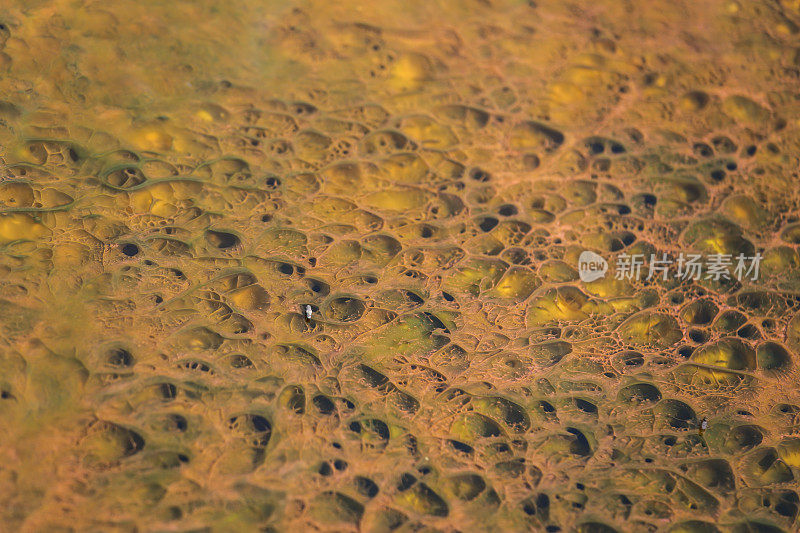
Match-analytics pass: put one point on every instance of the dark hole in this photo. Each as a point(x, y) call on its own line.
point(241, 361)
point(340, 465)
point(649, 200)
point(670, 441)
point(266, 218)
point(730, 165)
point(648, 460)
point(488, 223)
point(286, 268)
point(552, 529)
point(479, 175)
point(336, 445)
point(542, 501)
point(507, 210)
point(580, 486)
point(586, 407)
point(547, 407)
point(366, 486)
point(406, 482)
point(73, 154)
point(183, 458)
point(168, 391)
point(685, 351)
point(461, 447)
point(178, 422)
point(355, 427)
point(748, 331)
point(718, 175)
point(617, 149)
point(120, 358)
point(5, 395)
point(325, 469)
point(222, 239)
point(159, 299)
point(273, 182)
point(623, 209)
point(424, 470)
point(426, 232)
point(447, 296)
point(697, 335)
point(596, 148)
point(703, 150)
point(260, 423)
point(786, 509)
point(130, 249)
point(750, 150)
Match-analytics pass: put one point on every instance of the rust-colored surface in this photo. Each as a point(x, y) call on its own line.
point(178, 180)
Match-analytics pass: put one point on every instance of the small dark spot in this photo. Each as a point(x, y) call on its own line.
point(649, 200)
point(685, 351)
point(670, 441)
point(461, 447)
point(130, 249)
point(325, 469)
point(718, 175)
point(750, 151)
point(177, 422)
point(648, 460)
point(508, 210)
point(547, 407)
point(596, 148)
point(702, 150)
point(617, 149)
point(623, 209)
point(159, 299)
point(731, 165)
point(168, 391)
point(366, 486)
point(488, 223)
point(447, 296)
point(286, 268)
point(406, 482)
point(272, 182)
point(266, 218)
point(479, 175)
point(120, 357)
point(340, 465)
point(426, 232)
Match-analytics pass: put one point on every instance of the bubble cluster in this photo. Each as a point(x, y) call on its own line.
point(325, 276)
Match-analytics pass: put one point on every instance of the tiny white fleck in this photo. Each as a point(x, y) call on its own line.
point(307, 309)
point(704, 423)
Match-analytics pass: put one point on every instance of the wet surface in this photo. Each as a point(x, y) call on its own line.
point(314, 267)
